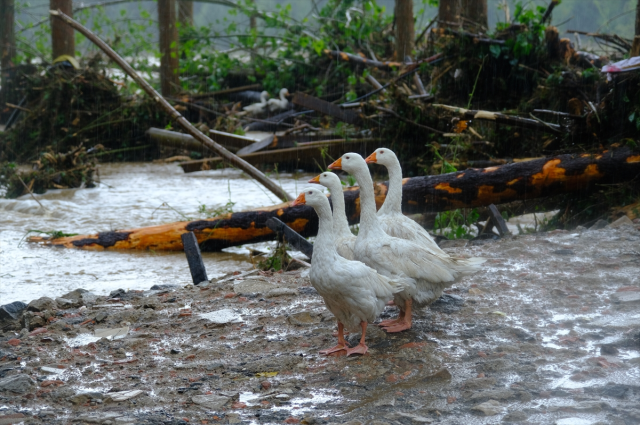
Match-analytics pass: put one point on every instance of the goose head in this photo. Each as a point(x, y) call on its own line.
point(312, 197)
point(382, 156)
point(283, 93)
point(263, 96)
point(349, 162)
point(328, 180)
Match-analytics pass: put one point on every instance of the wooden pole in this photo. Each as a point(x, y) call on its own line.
point(474, 15)
point(62, 36)
point(169, 82)
point(405, 33)
point(475, 187)
point(635, 48)
point(175, 115)
point(7, 34)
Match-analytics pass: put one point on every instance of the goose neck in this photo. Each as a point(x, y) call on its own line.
point(340, 222)
point(368, 220)
point(325, 241)
point(393, 201)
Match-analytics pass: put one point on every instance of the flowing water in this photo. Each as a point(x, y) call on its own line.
point(129, 195)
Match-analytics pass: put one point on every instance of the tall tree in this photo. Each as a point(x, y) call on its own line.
point(169, 82)
point(185, 13)
point(7, 34)
point(474, 15)
point(62, 35)
point(405, 33)
point(449, 13)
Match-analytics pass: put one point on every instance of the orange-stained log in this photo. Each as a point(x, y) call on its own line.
point(474, 187)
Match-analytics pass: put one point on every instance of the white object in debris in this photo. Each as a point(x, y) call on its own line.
point(626, 65)
point(123, 395)
point(111, 333)
point(226, 315)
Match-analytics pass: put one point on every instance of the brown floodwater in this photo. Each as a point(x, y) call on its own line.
point(129, 195)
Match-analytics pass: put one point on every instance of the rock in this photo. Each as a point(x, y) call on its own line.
point(448, 303)
point(590, 406)
point(122, 395)
point(489, 408)
point(354, 422)
point(42, 304)
point(515, 416)
point(600, 224)
point(82, 398)
point(19, 384)
point(609, 349)
point(101, 316)
point(494, 365)
point(253, 287)
point(163, 287)
point(415, 418)
point(617, 390)
point(479, 383)
point(12, 311)
point(13, 418)
point(492, 395)
point(626, 297)
point(214, 366)
point(622, 221)
point(115, 333)
point(303, 318)
point(280, 292)
point(385, 402)
point(65, 303)
point(210, 401)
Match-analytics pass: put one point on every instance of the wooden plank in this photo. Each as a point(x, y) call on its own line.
point(294, 239)
point(194, 258)
point(272, 123)
point(498, 221)
point(324, 107)
point(265, 143)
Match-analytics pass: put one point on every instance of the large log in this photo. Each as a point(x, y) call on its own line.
point(464, 189)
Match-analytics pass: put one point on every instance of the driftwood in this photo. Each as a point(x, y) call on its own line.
point(359, 60)
point(500, 118)
point(465, 189)
point(305, 155)
point(477, 38)
point(233, 142)
point(175, 115)
point(327, 108)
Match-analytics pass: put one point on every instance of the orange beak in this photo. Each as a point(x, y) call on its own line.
point(316, 179)
point(300, 200)
point(337, 165)
point(371, 159)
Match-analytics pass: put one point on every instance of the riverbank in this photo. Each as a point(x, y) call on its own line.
point(546, 333)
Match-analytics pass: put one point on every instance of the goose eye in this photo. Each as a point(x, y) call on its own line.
point(381, 152)
point(347, 158)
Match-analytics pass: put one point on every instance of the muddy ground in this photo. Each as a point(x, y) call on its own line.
point(548, 332)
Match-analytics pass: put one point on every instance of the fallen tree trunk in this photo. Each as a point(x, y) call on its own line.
point(464, 189)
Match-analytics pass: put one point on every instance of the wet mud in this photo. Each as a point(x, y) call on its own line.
point(547, 333)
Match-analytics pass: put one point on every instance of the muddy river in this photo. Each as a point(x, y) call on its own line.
point(129, 196)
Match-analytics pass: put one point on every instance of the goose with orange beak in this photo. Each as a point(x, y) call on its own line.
point(393, 257)
point(344, 239)
point(392, 221)
point(353, 292)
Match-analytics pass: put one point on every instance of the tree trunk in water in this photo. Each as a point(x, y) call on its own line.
point(7, 34)
point(62, 35)
point(474, 15)
point(635, 48)
point(404, 29)
point(449, 14)
point(169, 82)
point(477, 187)
point(185, 13)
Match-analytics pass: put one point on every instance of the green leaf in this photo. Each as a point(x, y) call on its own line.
point(495, 50)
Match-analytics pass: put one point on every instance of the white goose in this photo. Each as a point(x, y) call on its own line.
point(353, 292)
point(278, 104)
point(257, 108)
point(393, 257)
point(344, 239)
point(393, 222)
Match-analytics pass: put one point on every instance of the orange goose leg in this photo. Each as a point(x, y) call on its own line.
point(393, 322)
point(360, 348)
point(404, 323)
point(342, 344)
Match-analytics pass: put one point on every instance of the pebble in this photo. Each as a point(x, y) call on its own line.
point(19, 384)
point(489, 408)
